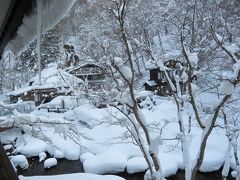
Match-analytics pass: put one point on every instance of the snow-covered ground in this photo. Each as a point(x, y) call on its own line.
point(77, 176)
point(106, 149)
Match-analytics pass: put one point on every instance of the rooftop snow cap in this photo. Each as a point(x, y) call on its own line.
point(52, 12)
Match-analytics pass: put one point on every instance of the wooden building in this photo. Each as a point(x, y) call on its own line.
point(92, 74)
point(38, 94)
point(158, 81)
point(55, 82)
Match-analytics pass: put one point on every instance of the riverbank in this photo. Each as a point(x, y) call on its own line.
point(65, 166)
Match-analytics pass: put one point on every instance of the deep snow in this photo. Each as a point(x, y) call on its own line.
point(106, 150)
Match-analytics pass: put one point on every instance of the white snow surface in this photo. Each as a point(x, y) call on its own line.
point(33, 147)
point(81, 116)
point(76, 176)
point(227, 87)
point(104, 151)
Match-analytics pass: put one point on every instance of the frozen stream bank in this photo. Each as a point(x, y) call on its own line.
point(66, 167)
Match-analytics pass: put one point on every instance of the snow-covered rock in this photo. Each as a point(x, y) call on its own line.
point(7, 147)
point(136, 164)
point(85, 156)
point(20, 160)
point(50, 162)
point(105, 163)
point(58, 154)
point(42, 156)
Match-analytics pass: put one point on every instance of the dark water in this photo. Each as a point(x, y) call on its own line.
point(215, 175)
point(65, 166)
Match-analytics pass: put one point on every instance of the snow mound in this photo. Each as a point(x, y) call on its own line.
point(20, 160)
point(50, 162)
point(58, 154)
point(212, 160)
point(85, 156)
point(111, 160)
point(61, 149)
point(80, 116)
point(105, 163)
point(42, 156)
point(136, 164)
point(57, 102)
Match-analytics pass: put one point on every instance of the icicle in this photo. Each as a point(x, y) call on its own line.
point(39, 35)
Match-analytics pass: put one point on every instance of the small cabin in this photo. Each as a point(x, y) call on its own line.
point(37, 94)
point(91, 73)
point(25, 94)
point(158, 81)
point(54, 82)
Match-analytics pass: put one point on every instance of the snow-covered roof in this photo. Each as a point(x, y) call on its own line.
point(88, 62)
point(20, 91)
point(173, 55)
point(52, 77)
point(151, 83)
point(83, 64)
point(143, 94)
point(150, 65)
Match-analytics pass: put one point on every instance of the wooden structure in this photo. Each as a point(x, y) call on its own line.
point(92, 74)
point(7, 171)
point(25, 96)
point(37, 94)
point(158, 81)
point(55, 82)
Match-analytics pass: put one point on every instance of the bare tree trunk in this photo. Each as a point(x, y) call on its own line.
point(135, 109)
point(206, 132)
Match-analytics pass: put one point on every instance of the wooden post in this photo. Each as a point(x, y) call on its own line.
point(7, 171)
point(62, 104)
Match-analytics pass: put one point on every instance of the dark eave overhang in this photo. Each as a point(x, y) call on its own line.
point(13, 18)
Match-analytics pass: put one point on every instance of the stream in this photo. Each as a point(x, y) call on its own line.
point(66, 166)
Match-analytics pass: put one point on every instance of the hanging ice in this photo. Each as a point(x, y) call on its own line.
point(53, 12)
